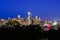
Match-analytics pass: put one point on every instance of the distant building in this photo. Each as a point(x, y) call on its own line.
point(29, 19)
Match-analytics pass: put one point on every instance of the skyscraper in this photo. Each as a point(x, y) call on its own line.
point(29, 18)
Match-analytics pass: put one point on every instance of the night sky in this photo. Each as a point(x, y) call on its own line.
point(45, 9)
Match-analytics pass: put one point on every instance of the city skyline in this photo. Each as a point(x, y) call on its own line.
point(45, 9)
point(28, 15)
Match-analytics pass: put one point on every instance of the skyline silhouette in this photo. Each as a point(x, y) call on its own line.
point(45, 9)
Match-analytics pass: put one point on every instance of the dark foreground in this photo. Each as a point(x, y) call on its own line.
point(32, 32)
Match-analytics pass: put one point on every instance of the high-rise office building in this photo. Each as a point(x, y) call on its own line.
point(29, 18)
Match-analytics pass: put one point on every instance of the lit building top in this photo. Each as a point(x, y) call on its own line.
point(29, 13)
point(18, 16)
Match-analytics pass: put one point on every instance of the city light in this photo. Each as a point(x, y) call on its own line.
point(36, 17)
point(18, 16)
point(55, 23)
point(2, 19)
point(29, 13)
point(39, 18)
point(9, 18)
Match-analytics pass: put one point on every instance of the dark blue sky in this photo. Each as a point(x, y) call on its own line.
point(46, 9)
